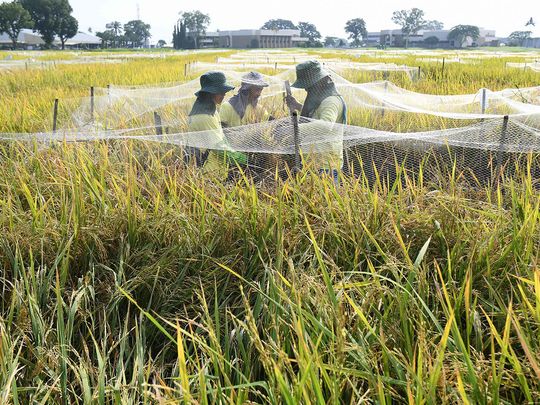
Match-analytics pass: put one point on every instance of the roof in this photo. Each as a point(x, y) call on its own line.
point(29, 37)
point(83, 38)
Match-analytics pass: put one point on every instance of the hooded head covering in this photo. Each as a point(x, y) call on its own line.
point(241, 100)
point(214, 83)
point(308, 74)
point(211, 83)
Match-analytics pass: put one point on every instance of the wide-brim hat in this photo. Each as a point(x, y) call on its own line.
point(254, 79)
point(309, 73)
point(214, 83)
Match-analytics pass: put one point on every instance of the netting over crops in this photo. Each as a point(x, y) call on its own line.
point(389, 129)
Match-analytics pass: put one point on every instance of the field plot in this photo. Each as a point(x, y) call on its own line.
point(131, 276)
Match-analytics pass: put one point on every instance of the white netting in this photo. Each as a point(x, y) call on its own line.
point(484, 130)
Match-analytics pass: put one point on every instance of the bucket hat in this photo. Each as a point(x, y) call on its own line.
point(254, 79)
point(308, 73)
point(214, 83)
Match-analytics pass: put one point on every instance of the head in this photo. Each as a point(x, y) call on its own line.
point(218, 98)
point(310, 74)
point(215, 84)
point(254, 83)
point(254, 93)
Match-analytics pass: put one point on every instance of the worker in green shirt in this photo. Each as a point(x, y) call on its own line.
point(204, 119)
point(243, 108)
point(322, 137)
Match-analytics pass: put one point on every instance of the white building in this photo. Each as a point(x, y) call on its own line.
point(29, 39)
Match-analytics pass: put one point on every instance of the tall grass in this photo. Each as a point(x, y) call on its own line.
point(130, 278)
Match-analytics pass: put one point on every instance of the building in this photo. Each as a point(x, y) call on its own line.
point(29, 39)
point(373, 39)
point(420, 39)
point(82, 40)
point(532, 43)
point(252, 39)
point(396, 38)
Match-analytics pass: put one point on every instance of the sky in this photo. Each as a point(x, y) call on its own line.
point(329, 17)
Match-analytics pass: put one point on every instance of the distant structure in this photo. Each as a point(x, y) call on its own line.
point(29, 39)
point(252, 39)
point(396, 38)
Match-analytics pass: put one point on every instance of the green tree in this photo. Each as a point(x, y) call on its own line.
point(13, 18)
point(433, 25)
point(460, 33)
point(161, 43)
point(196, 23)
point(331, 41)
point(279, 24)
point(309, 31)
point(116, 28)
point(356, 28)
point(48, 16)
point(411, 21)
point(67, 29)
point(108, 38)
point(431, 42)
point(519, 37)
point(137, 32)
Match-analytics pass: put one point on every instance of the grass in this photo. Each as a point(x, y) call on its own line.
point(130, 278)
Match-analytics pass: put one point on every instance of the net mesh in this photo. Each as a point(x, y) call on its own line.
point(390, 130)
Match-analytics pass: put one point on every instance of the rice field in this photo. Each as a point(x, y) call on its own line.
point(128, 277)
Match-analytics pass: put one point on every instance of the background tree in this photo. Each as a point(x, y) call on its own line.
point(519, 37)
point(331, 41)
point(116, 28)
point(411, 21)
point(48, 16)
point(108, 38)
point(67, 28)
point(356, 28)
point(196, 23)
point(433, 25)
point(137, 32)
point(161, 43)
point(13, 18)
point(279, 24)
point(431, 42)
point(460, 33)
point(309, 31)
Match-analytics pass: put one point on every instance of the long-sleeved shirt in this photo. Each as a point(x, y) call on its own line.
point(220, 152)
point(322, 140)
point(230, 117)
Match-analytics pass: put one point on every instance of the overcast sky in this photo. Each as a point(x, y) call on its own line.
point(329, 17)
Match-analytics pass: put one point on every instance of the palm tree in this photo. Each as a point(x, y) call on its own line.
point(116, 26)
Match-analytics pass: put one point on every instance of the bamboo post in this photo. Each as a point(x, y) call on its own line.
point(502, 143)
point(296, 130)
point(55, 115)
point(419, 72)
point(185, 70)
point(442, 72)
point(157, 123)
point(484, 101)
point(92, 103)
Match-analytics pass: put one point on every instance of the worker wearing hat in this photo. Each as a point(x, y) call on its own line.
point(204, 119)
point(327, 110)
point(243, 108)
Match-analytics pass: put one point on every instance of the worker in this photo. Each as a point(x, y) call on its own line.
point(215, 154)
point(327, 111)
point(243, 108)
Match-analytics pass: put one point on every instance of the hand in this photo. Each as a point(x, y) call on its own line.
point(292, 103)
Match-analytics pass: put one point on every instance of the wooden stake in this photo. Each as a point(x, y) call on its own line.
point(55, 114)
point(92, 103)
point(157, 123)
